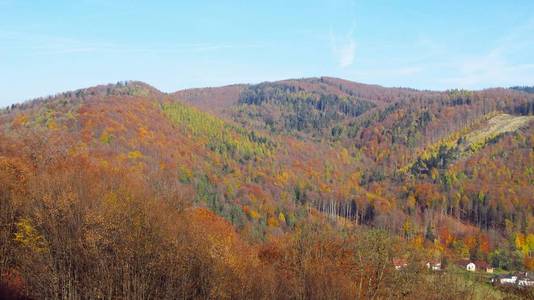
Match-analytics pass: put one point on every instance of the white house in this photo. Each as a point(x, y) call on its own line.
point(508, 280)
point(525, 282)
point(520, 279)
point(434, 265)
point(471, 267)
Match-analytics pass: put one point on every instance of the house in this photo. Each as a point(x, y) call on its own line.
point(509, 279)
point(483, 266)
point(518, 279)
point(525, 279)
point(525, 282)
point(399, 263)
point(434, 265)
point(471, 267)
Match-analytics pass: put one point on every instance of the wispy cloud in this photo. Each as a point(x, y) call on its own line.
point(440, 64)
point(490, 70)
point(40, 44)
point(497, 65)
point(343, 48)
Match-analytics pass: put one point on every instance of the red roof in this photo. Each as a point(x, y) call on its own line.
point(481, 264)
point(399, 262)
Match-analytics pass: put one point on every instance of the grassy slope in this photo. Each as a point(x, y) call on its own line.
point(476, 135)
point(499, 124)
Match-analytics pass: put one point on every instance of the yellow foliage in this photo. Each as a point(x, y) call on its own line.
point(438, 246)
point(111, 199)
point(272, 222)
point(407, 227)
point(29, 237)
point(345, 157)
point(282, 178)
point(135, 154)
point(418, 241)
point(104, 163)
point(435, 174)
point(529, 263)
point(105, 137)
point(325, 188)
point(20, 119)
point(410, 202)
point(355, 178)
point(284, 197)
point(530, 242)
point(143, 133)
point(254, 214)
point(218, 135)
point(232, 185)
point(51, 124)
point(525, 244)
point(281, 217)
point(185, 174)
point(519, 241)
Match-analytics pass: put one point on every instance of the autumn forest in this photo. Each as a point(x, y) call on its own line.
point(316, 188)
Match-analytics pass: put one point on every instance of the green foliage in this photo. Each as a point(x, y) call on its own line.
point(286, 108)
point(439, 160)
point(106, 138)
point(505, 259)
point(207, 193)
point(218, 135)
point(185, 175)
point(477, 207)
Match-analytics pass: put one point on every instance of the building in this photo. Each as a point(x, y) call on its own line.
point(399, 263)
point(508, 280)
point(525, 282)
point(519, 279)
point(483, 266)
point(471, 267)
point(434, 265)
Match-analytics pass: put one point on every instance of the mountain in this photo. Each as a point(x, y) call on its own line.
point(250, 191)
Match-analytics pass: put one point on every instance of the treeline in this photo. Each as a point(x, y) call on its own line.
point(527, 89)
point(70, 230)
point(286, 108)
point(130, 181)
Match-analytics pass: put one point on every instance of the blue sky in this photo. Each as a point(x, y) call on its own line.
point(49, 46)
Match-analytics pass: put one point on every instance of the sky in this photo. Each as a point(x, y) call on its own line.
point(49, 46)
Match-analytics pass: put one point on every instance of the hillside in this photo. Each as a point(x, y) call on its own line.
point(214, 100)
point(279, 180)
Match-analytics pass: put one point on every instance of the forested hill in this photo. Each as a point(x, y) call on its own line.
point(423, 160)
point(202, 192)
point(527, 89)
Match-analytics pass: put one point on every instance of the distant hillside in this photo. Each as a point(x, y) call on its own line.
point(381, 129)
point(262, 180)
point(211, 99)
point(527, 89)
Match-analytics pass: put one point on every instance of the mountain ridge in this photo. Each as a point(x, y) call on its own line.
point(246, 179)
point(333, 80)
